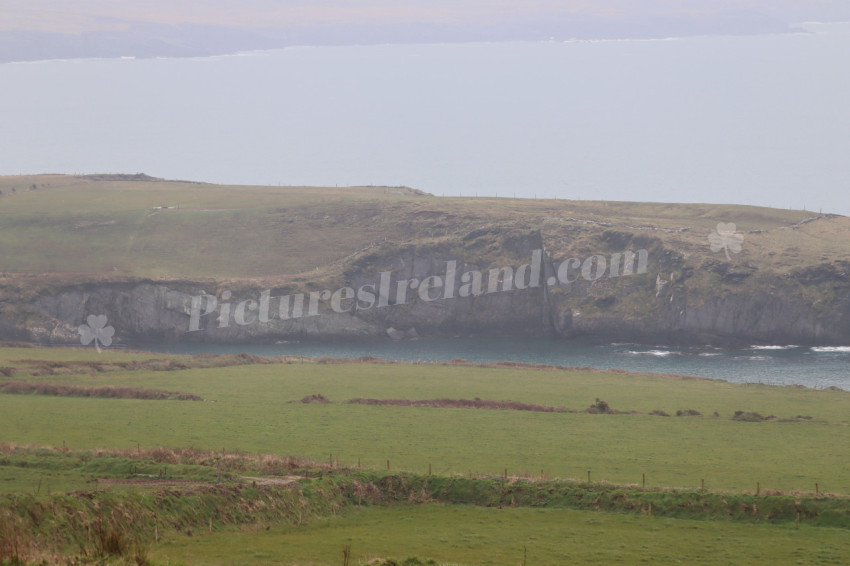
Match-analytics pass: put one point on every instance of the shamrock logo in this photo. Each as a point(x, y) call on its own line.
point(726, 238)
point(96, 330)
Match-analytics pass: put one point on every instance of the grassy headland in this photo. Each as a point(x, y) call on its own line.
point(114, 226)
point(64, 239)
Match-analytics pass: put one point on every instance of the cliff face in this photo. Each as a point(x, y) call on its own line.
point(616, 286)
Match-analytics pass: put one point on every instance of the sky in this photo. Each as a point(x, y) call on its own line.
point(758, 119)
point(86, 15)
point(56, 29)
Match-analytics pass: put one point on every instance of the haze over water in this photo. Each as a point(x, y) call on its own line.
point(751, 120)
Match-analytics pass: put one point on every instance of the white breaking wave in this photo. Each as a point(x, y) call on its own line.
point(660, 353)
point(773, 347)
point(842, 349)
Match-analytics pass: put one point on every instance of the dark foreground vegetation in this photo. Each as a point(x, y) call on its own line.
point(127, 508)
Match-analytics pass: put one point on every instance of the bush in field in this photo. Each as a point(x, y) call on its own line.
point(688, 413)
point(600, 407)
point(751, 416)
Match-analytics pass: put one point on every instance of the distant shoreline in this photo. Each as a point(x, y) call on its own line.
point(155, 41)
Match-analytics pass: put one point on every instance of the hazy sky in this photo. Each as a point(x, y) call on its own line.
point(59, 29)
point(472, 100)
point(87, 15)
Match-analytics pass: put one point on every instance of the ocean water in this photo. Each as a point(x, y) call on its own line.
point(749, 120)
point(818, 367)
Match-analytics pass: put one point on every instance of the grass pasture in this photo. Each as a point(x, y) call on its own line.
point(249, 408)
point(476, 535)
point(251, 419)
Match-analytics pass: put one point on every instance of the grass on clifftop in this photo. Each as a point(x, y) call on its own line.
point(104, 227)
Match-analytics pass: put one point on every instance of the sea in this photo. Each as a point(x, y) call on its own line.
point(786, 365)
point(759, 119)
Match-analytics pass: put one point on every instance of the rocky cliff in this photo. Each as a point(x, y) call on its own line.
point(613, 286)
point(179, 261)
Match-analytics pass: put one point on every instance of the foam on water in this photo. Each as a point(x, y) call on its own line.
point(661, 353)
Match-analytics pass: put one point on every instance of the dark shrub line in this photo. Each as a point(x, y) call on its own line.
point(106, 391)
point(110, 524)
point(753, 417)
point(688, 413)
point(201, 361)
point(315, 399)
point(599, 407)
point(463, 404)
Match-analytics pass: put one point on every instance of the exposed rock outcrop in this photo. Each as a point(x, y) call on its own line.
point(524, 288)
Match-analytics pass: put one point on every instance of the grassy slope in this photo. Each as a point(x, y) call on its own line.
point(251, 413)
point(74, 225)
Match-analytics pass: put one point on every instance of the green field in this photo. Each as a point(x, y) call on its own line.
point(475, 535)
point(253, 408)
point(247, 407)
